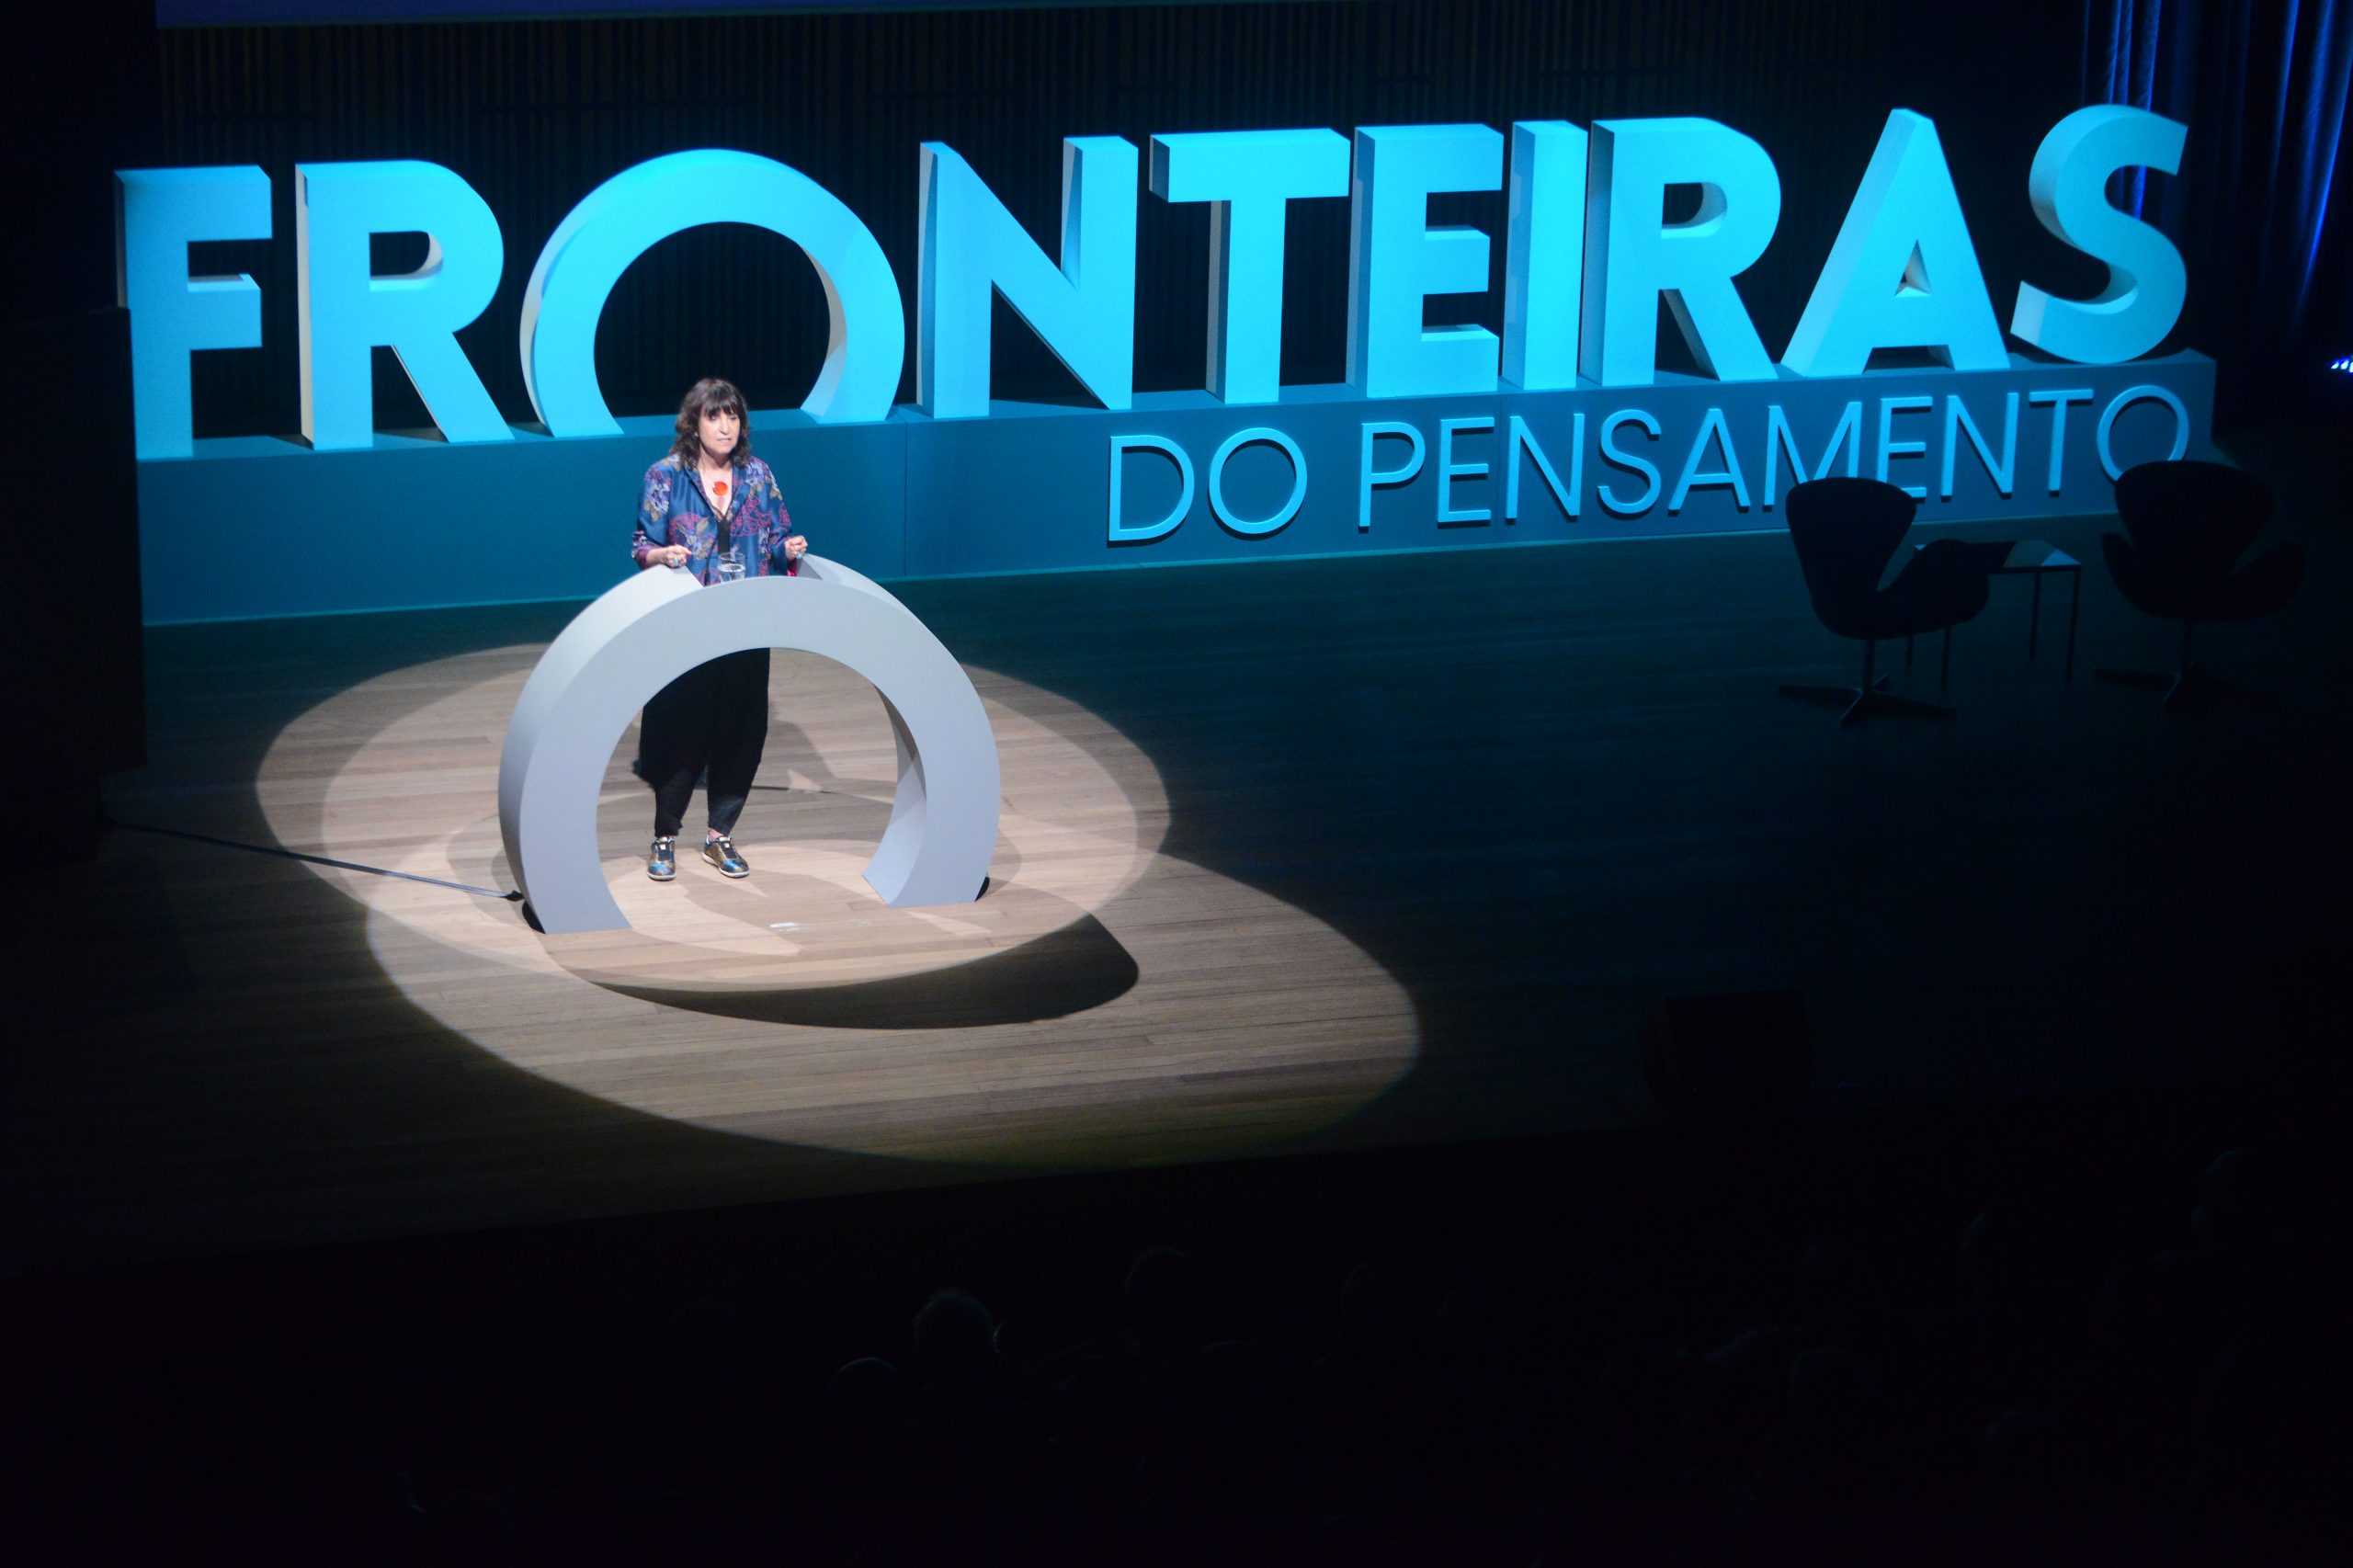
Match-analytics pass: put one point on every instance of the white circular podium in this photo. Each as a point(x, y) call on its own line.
point(659, 624)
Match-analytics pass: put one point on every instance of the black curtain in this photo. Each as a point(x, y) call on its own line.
point(2258, 210)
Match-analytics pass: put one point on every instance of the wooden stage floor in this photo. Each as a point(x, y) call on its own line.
point(1321, 855)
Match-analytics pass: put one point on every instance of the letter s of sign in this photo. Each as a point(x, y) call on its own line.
point(2146, 280)
point(644, 633)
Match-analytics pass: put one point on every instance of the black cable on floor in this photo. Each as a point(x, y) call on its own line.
point(315, 859)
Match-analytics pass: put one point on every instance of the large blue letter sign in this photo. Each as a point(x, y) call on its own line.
point(346, 312)
point(2146, 282)
point(1436, 427)
point(1902, 273)
point(1397, 259)
point(1633, 256)
point(157, 213)
point(1085, 310)
point(639, 208)
point(1248, 177)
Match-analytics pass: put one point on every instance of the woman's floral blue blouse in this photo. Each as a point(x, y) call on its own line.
point(672, 509)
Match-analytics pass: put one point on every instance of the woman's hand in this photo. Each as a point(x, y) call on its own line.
point(665, 556)
point(795, 547)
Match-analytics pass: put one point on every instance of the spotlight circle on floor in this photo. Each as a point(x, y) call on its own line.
point(1107, 1001)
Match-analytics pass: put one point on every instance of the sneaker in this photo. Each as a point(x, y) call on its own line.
point(721, 852)
point(662, 864)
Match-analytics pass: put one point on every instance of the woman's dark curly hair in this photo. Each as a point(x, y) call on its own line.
point(711, 395)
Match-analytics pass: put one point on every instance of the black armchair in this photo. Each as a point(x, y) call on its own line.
point(2188, 523)
point(1846, 531)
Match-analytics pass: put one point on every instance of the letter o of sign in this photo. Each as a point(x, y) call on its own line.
point(659, 624)
point(1287, 510)
point(2125, 399)
point(640, 207)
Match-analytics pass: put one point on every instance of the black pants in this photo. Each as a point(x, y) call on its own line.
point(714, 716)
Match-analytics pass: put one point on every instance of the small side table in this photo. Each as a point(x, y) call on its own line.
point(2036, 559)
